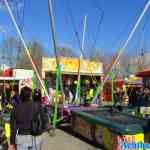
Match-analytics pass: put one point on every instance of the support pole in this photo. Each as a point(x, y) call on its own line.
point(58, 69)
point(78, 88)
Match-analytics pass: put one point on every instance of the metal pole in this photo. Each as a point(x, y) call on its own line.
point(83, 35)
point(58, 69)
point(52, 23)
point(3, 56)
point(77, 97)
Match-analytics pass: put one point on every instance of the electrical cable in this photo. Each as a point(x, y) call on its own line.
point(98, 31)
point(76, 33)
point(95, 40)
point(101, 12)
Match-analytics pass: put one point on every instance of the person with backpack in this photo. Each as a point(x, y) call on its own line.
point(26, 123)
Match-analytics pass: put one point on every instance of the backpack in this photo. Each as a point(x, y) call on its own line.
point(37, 123)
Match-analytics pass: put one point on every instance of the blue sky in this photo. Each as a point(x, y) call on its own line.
point(119, 18)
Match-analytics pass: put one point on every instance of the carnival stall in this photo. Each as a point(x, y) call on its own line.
point(18, 78)
point(91, 72)
point(10, 86)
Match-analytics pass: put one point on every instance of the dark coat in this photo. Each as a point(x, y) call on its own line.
point(143, 100)
point(21, 118)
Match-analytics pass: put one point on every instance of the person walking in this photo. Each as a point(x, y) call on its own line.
point(24, 125)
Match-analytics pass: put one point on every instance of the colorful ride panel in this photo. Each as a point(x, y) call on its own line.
point(108, 128)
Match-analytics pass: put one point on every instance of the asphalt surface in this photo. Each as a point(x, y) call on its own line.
point(65, 141)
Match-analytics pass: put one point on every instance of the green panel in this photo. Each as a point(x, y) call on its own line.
point(118, 123)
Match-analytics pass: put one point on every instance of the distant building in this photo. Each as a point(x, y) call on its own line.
point(138, 63)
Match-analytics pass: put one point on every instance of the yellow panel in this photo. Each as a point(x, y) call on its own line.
point(71, 64)
point(7, 130)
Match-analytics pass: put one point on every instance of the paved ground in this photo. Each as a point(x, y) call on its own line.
point(65, 141)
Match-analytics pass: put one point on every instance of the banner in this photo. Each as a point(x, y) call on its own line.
point(71, 64)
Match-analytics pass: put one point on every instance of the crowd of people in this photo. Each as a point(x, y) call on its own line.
point(130, 96)
point(136, 97)
point(28, 104)
point(9, 96)
point(86, 91)
point(29, 118)
point(71, 95)
point(140, 97)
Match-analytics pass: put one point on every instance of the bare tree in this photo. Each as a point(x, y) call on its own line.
point(97, 56)
point(36, 52)
point(64, 51)
point(9, 53)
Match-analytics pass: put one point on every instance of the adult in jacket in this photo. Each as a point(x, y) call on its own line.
point(21, 123)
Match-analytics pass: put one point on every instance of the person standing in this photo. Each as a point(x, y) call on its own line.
point(21, 123)
point(119, 94)
point(37, 99)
